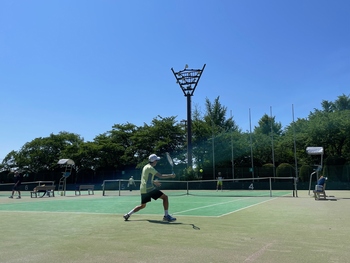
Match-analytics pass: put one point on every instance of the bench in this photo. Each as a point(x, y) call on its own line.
point(320, 192)
point(85, 187)
point(48, 190)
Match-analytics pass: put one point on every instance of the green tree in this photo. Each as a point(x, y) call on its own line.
point(163, 135)
point(284, 146)
point(342, 103)
point(201, 134)
point(268, 125)
point(327, 106)
point(108, 154)
point(215, 117)
point(330, 130)
point(123, 136)
point(43, 153)
point(211, 132)
point(265, 137)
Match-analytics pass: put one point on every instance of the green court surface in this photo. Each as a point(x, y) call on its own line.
point(213, 228)
point(180, 205)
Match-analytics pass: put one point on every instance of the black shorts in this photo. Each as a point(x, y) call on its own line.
point(16, 187)
point(154, 194)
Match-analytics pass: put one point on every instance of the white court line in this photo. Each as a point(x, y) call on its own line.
point(197, 208)
point(222, 203)
point(216, 204)
point(56, 212)
point(258, 253)
point(247, 207)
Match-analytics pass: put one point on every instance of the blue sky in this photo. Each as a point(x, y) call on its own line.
point(82, 66)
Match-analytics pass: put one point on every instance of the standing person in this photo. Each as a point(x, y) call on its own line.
point(16, 187)
point(148, 189)
point(131, 183)
point(219, 179)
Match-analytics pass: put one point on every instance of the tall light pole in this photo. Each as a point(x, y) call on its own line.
point(251, 144)
point(213, 145)
point(232, 156)
point(272, 147)
point(188, 80)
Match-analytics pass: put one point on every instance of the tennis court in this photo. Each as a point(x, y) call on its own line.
point(214, 228)
point(184, 205)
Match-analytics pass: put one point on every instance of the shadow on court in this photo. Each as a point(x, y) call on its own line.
point(165, 223)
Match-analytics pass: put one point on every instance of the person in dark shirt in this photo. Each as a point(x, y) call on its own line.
point(320, 184)
point(321, 180)
point(18, 181)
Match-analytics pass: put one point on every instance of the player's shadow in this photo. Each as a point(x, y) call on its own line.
point(168, 223)
point(172, 223)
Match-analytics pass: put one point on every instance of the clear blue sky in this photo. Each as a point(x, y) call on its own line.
point(82, 66)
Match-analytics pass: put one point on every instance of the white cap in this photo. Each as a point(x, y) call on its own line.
point(153, 158)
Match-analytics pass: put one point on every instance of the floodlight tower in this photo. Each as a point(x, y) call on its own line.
point(188, 80)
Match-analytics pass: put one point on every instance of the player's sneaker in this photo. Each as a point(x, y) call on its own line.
point(126, 217)
point(11, 196)
point(169, 218)
point(18, 197)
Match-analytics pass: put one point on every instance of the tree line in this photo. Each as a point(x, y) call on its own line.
point(218, 145)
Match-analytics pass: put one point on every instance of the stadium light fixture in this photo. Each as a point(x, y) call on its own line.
point(188, 80)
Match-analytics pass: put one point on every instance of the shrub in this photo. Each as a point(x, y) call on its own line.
point(304, 173)
point(285, 170)
point(267, 170)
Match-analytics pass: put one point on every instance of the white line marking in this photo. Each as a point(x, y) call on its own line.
point(246, 207)
point(206, 206)
point(216, 204)
point(258, 253)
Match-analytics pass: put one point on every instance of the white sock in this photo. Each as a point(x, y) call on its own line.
point(166, 213)
point(131, 212)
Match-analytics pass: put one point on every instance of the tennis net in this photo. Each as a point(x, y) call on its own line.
point(249, 187)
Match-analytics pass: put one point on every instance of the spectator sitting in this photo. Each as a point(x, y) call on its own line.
point(42, 191)
point(321, 180)
point(320, 183)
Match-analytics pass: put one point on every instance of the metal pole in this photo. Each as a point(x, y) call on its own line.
point(251, 144)
point(189, 132)
point(295, 155)
point(232, 157)
point(213, 149)
point(273, 151)
point(213, 144)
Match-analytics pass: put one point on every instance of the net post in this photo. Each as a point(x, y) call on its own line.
point(187, 188)
point(119, 187)
point(270, 186)
point(295, 186)
point(103, 188)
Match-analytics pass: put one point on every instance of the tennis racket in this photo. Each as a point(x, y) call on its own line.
point(170, 160)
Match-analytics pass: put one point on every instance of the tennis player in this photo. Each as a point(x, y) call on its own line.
point(219, 182)
point(149, 191)
point(18, 181)
point(131, 183)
